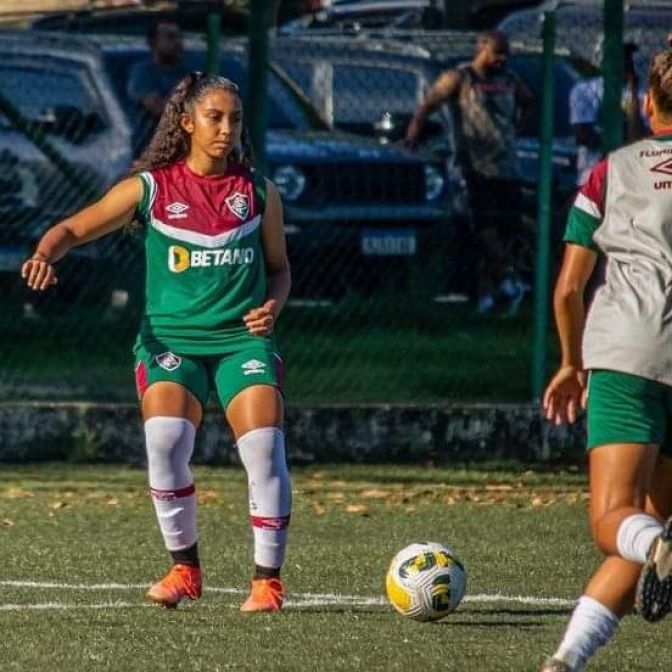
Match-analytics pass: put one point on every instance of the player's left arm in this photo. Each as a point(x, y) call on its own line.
point(567, 393)
point(260, 321)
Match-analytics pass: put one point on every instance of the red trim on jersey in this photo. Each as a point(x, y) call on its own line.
point(595, 187)
point(141, 378)
point(270, 523)
point(663, 131)
point(205, 204)
point(169, 495)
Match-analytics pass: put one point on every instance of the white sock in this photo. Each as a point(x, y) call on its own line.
point(262, 452)
point(635, 536)
point(591, 625)
point(170, 445)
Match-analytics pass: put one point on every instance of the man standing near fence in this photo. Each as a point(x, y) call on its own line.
point(488, 102)
point(150, 81)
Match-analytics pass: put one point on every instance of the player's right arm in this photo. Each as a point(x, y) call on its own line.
point(445, 87)
point(566, 393)
point(110, 213)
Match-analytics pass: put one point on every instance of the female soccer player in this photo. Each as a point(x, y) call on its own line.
point(619, 359)
point(217, 279)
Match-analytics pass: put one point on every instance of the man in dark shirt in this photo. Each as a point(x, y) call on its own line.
point(488, 103)
point(151, 80)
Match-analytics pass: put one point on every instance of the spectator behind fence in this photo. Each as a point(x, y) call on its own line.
point(488, 102)
point(585, 111)
point(150, 81)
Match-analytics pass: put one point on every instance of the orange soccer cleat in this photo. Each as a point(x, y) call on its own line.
point(267, 595)
point(181, 581)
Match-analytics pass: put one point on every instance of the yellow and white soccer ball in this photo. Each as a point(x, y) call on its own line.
point(426, 581)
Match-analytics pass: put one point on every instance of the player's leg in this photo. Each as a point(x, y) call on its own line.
point(621, 476)
point(654, 590)
point(249, 388)
point(173, 391)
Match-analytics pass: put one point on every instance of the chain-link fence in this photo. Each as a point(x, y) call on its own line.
point(384, 255)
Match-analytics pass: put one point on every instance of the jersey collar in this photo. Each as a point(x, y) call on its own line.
point(664, 133)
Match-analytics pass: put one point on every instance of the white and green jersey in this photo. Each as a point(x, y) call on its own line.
point(205, 263)
point(625, 211)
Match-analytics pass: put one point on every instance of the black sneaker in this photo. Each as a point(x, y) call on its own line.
point(654, 590)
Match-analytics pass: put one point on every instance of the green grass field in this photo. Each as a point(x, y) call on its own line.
point(374, 351)
point(79, 544)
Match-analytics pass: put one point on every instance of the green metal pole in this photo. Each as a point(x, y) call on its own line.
point(612, 70)
point(544, 211)
point(261, 17)
point(214, 35)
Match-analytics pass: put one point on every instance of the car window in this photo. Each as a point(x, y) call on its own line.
point(580, 30)
point(368, 92)
point(36, 86)
point(284, 112)
point(357, 92)
point(378, 19)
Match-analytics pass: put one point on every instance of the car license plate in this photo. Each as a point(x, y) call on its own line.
point(11, 258)
point(388, 242)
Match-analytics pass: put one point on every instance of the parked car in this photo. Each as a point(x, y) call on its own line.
point(580, 27)
point(355, 15)
point(358, 215)
point(69, 110)
point(372, 85)
point(361, 15)
point(192, 16)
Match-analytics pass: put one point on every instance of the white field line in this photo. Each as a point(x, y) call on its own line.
point(60, 606)
point(294, 599)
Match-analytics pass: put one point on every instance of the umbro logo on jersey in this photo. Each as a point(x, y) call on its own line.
point(239, 204)
point(177, 210)
point(664, 167)
point(168, 361)
point(253, 366)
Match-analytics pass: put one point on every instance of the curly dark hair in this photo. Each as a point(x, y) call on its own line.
point(170, 142)
point(660, 82)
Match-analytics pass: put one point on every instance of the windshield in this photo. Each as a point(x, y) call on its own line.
point(37, 86)
point(285, 111)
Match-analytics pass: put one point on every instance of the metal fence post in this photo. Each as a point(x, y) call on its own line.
point(214, 33)
point(544, 211)
point(261, 16)
point(612, 71)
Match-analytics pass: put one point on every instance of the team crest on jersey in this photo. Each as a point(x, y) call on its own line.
point(253, 366)
point(168, 361)
point(239, 204)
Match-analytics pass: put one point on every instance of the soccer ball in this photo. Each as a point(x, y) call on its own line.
point(426, 581)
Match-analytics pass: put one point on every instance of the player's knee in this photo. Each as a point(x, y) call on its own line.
point(262, 452)
point(603, 533)
point(170, 445)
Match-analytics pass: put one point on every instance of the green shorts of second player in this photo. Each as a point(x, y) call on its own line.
point(623, 408)
point(226, 374)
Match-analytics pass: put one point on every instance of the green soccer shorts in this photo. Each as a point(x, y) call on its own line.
point(227, 375)
point(623, 408)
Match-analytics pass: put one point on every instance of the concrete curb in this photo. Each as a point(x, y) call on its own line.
point(377, 433)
